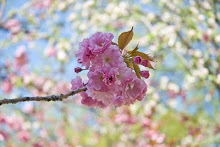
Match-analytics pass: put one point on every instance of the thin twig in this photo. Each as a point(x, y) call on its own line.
point(43, 98)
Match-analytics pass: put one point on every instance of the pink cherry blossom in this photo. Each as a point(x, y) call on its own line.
point(96, 81)
point(3, 136)
point(2, 118)
point(99, 42)
point(111, 57)
point(77, 83)
point(86, 100)
point(133, 89)
point(110, 81)
point(84, 54)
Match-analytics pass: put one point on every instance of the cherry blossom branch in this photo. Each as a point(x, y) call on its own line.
point(42, 98)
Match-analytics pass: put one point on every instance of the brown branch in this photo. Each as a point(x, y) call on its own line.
point(42, 98)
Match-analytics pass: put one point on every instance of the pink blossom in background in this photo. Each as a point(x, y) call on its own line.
point(15, 122)
point(205, 37)
point(110, 58)
point(50, 51)
point(21, 57)
point(6, 86)
point(76, 83)
point(37, 144)
point(61, 87)
point(13, 25)
point(42, 4)
point(24, 136)
point(3, 136)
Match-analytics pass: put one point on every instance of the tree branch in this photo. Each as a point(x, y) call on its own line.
point(43, 98)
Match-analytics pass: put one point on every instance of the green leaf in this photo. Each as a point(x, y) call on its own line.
point(137, 70)
point(129, 63)
point(125, 38)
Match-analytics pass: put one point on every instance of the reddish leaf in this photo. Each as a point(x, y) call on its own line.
point(125, 38)
point(143, 55)
point(150, 66)
point(135, 49)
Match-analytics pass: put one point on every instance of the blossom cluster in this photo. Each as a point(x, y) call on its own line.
point(110, 81)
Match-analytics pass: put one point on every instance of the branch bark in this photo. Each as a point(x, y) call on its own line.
point(42, 98)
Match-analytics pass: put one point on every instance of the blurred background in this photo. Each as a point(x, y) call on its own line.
point(38, 40)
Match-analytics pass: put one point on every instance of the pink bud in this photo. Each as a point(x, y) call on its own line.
point(145, 63)
point(78, 69)
point(145, 74)
point(137, 60)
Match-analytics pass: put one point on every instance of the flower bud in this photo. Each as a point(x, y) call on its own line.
point(145, 74)
point(137, 60)
point(78, 69)
point(145, 63)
